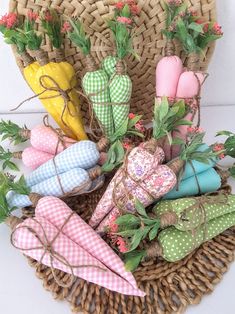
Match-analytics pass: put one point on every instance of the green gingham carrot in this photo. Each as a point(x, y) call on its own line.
point(95, 81)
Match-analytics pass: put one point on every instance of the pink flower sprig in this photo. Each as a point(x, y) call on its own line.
point(66, 27)
point(132, 6)
point(213, 29)
point(52, 24)
point(32, 16)
point(175, 3)
point(9, 20)
point(194, 130)
point(124, 20)
point(220, 150)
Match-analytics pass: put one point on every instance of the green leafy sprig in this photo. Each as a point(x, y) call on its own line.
point(33, 40)
point(173, 11)
point(116, 151)
point(5, 157)
point(137, 227)
point(12, 131)
point(195, 36)
point(122, 26)
point(190, 150)
point(167, 118)
point(51, 23)
point(11, 33)
point(78, 36)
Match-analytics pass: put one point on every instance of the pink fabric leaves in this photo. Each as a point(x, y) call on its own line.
point(78, 243)
point(143, 178)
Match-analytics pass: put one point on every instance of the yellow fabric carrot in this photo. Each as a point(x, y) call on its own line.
point(54, 82)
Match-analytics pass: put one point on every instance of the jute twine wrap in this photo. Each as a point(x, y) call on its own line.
point(149, 42)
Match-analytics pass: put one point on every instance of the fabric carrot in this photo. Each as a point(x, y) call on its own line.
point(54, 82)
point(84, 154)
point(95, 81)
point(170, 67)
point(42, 138)
point(30, 156)
point(142, 176)
point(99, 249)
point(194, 34)
point(120, 86)
point(38, 232)
point(73, 181)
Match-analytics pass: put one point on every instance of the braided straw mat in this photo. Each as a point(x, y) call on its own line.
point(148, 43)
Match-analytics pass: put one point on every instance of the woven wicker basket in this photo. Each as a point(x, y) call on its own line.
point(149, 43)
point(170, 287)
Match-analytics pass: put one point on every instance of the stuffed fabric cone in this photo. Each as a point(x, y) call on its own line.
point(120, 92)
point(188, 87)
point(188, 208)
point(204, 182)
point(45, 139)
point(83, 154)
point(96, 82)
point(81, 233)
point(143, 182)
point(33, 158)
point(88, 267)
point(109, 65)
point(55, 186)
point(177, 244)
point(67, 117)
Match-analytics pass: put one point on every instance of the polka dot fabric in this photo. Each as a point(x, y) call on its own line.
point(46, 140)
point(177, 244)
point(33, 158)
point(190, 218)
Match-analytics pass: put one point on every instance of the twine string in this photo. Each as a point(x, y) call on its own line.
point(48, 248)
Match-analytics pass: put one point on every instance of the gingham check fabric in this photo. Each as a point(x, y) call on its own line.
point(52, 213)
point(109, 65)
point(97, 82)
point(83, 154)
point(69, 180)
point(120, 92)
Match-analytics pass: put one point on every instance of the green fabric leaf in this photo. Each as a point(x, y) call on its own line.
point(140, 208)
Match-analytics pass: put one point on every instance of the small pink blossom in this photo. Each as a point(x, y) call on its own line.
point(139, 126)
point(32, 16)
point(221, 156)
point(193, 12)
point(122, 246)
point(135, 10)
point(217, 29)
point(194, 130)
point(9, 20)
point(131, 115)
point(127, 146)
point(174, 2)
point(124, 20)
point(119, 5)
point(66, 27)
point(218, 147)
point(131, 2)
point(47, 16)
point(206, 28)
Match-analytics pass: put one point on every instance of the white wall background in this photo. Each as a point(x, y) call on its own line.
point(20, 290)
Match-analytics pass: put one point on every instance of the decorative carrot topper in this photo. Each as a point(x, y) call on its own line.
point(54, 82)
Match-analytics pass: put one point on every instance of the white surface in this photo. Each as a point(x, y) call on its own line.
point(20, 291)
